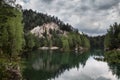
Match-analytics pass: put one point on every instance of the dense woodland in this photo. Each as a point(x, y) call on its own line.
point(97, 42)
point(112, 38)
point(74, 39)
point(112, 46)
point(11, 40)
point(11, 30)
point(32, 19)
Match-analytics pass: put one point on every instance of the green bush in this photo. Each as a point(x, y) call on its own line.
point(113, 56)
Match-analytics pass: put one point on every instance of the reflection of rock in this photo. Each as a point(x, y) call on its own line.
point(50, 65)
point(80, 49)
point(99, 58)
point(38, 64)
point(44, 65)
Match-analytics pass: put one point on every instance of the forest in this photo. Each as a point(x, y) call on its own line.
point(96, 42)
point(31, 19)
point(112, 38)
point(112, 44)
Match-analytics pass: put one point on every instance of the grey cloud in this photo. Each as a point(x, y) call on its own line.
point(90, 16)
point(47, 1)
point(102, 78)
point(91, 31)
point(25, 1)
point(106, 4)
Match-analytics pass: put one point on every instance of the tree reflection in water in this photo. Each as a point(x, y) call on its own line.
point(51, 64)
point(113, 60)
point(44, 65)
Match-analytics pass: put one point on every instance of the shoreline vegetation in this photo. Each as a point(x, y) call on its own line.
point(47, 48)
point(112, 44)
point(58, 48)
point(112, 38)
point(113, 56)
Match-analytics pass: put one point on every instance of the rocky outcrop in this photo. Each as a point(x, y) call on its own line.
point(47, 29)
point(51, 48)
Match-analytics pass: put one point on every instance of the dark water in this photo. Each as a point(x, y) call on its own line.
point(56, 65)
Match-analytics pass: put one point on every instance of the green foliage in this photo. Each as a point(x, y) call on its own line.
point(75, 40)
point(29, 38)
point(112, 39)
point(85, 41)
point(112, 43)
point(50, 43)
point(65, 44)
point(72, 40)
point(11, 30)
point(69, 41)
point(113, 56)
point(37, 42)
point(32, 42)
point(97, 42)
point(107, 41)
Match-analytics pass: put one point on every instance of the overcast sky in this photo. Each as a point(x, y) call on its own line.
point(89, 16)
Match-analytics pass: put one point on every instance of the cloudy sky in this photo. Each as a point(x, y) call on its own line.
point(90, 16)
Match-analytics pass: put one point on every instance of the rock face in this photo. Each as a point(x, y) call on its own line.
point(47, 29)
point(51, 48)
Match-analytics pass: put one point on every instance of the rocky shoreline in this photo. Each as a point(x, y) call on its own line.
point(49, 48)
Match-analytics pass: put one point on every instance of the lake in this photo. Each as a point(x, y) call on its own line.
point(57, 65)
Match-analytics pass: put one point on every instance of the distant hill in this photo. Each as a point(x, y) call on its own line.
point(32, 19)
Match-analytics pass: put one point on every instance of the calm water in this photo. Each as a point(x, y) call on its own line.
point(56, 65)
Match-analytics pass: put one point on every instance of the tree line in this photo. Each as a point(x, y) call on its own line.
point(97, 42)
point(11, 29)
point(112, 38)
point(32, 19)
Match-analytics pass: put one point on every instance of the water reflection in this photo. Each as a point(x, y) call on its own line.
point(113, 60)
point(56, 65)
point(93, 70)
